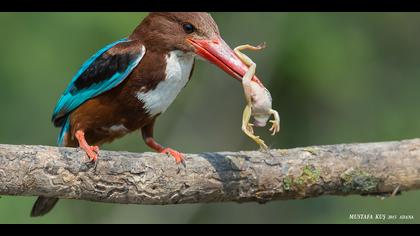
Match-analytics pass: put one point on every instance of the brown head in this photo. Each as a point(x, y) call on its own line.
point(194, 32)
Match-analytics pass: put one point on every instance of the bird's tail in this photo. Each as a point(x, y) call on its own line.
point(43, 205)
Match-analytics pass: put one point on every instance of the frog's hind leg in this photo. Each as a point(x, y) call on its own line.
point(247, 128)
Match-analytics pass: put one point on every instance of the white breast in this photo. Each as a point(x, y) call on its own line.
point(178, 70)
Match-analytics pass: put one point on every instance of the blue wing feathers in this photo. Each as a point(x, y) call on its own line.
point(74, 97)
point(96, 76)
point(66, 102)
point(89, 62)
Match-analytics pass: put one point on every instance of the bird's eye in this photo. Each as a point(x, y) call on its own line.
point(188, 28)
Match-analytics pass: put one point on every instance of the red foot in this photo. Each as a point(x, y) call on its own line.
point(91, 151)
point(95, 149)
point(179, 157)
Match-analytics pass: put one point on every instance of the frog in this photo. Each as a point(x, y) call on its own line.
point(258, 100)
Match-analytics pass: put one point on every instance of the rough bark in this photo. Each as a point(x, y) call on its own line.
point(150, 178)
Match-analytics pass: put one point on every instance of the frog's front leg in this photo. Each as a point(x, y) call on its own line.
point(275, 128)
point(247, 128)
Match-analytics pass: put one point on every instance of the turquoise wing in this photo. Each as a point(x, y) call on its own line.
point(102, 72)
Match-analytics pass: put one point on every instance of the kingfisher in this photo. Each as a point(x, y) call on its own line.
point(127, 84)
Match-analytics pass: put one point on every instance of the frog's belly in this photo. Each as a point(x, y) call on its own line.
point(261, 99)
point(261, 106)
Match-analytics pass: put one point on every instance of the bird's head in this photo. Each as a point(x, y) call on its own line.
point(194, 32)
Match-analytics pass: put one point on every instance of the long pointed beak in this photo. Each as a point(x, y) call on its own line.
point(219, 53)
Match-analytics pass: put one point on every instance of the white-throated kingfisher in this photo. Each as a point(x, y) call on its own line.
point(127, 84)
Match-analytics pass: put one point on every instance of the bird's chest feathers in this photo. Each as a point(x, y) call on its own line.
point(177, 73)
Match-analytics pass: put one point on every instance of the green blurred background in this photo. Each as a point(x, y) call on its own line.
point(334, 77)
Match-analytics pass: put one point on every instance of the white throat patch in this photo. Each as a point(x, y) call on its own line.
point(178, 70)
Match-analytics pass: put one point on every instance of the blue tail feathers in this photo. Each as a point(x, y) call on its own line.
point(64, 130)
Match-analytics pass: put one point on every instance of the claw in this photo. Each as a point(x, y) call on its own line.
point(95, 149)
point(92, 152)
point(179, 157)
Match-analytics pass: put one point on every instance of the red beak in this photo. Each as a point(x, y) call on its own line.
point(219, 53)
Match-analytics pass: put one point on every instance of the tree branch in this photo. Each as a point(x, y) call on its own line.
point(150, 178)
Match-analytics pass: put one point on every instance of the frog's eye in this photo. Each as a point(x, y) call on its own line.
point(188, 28)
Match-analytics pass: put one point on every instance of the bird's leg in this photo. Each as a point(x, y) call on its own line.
point(247, 128)
point(275, 128)
point(147, 133)
point(91, 151)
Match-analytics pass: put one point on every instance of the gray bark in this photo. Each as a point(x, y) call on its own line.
point(151, 178)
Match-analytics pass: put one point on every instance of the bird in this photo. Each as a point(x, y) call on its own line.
point(127, 84)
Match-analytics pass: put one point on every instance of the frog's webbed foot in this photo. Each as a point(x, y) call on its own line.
point(256, 139)
point(275, 128)
point(261, 46)
point(261, 143)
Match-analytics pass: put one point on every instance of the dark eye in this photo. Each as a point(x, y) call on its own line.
point(188, 28)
